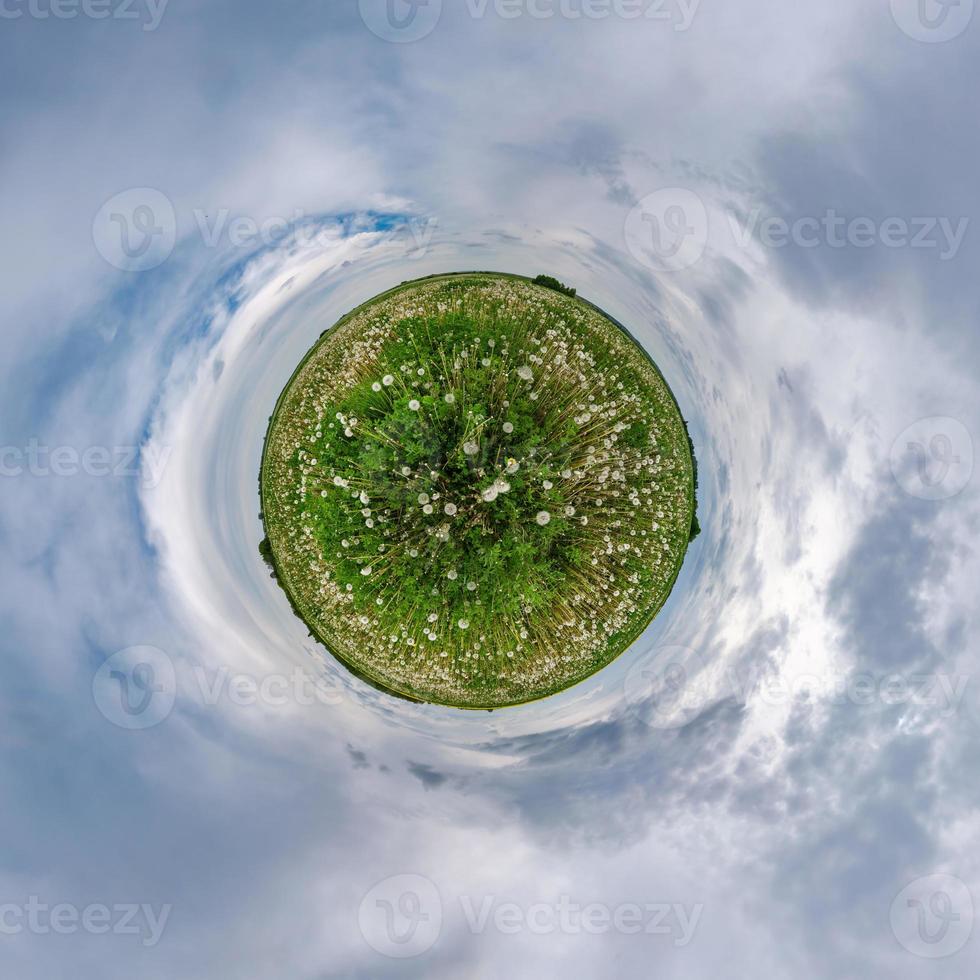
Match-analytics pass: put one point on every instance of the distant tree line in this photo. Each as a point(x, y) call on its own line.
point(550, 282)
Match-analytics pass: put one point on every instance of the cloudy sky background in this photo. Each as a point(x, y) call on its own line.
point(780, 820)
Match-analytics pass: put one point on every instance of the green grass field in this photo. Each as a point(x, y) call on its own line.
point(477, 490)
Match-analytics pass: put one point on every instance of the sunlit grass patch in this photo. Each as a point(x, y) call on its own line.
point(477, 490)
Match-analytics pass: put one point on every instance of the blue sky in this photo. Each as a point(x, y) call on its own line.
point(778, 202)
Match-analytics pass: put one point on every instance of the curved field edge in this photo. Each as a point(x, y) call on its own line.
point(358, 669)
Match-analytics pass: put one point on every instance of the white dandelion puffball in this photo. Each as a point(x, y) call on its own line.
point(543, 517)
point(525, 373)
point(490, 494)
point(470, 448)
point(508, 427)
point(449, 398)
point(450, 510)
point(388, 380)
point(414, 404)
